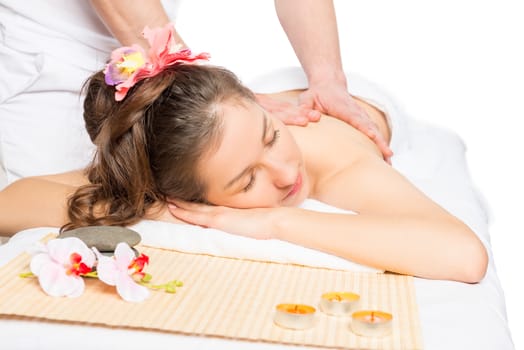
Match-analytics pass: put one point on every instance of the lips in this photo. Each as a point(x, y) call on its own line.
point(296, 187)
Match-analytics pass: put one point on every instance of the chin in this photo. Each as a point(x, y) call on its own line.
point(299, 200)
point(296, 200)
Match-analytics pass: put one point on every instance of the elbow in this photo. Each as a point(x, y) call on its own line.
point(473, 261)
point(4, 228)
point(478, 266)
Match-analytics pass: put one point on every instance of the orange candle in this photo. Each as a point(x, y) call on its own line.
point(371, 323)
point(294, 316)
point(339, 303)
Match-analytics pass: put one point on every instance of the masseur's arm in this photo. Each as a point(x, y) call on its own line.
point(126, 19)
point(37, 201)
point(311, 27)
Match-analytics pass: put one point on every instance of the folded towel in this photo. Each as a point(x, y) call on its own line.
point(195, 239)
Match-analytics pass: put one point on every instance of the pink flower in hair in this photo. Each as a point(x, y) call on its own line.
point(129, 64)
point(123, 69)
point(165, 51)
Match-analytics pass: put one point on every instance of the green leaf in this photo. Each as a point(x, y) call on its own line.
point(170, 289)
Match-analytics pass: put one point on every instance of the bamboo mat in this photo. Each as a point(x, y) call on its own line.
point(224, 297)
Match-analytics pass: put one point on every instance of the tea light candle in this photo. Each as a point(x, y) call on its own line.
point(371, 323)
point(339, 303)
point(294, 316)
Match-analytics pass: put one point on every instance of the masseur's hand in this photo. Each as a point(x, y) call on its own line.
point(255, 223)
point(333, 99)
point(289, 113)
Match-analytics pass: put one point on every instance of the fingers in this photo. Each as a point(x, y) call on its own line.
point(188, 215)
point(313, 115)
point(301, 116)
point(379, 140)
point(175, 204)
point(387, 153)
point(296, 119)
point(307, 103)
point(368, 128)
point(288, 113)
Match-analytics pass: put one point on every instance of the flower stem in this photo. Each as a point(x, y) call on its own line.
point(91, 274)
point(169, 287)
point(27, 275)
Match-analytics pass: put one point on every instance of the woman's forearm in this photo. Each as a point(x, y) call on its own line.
point(33, 202)
point(436, 248)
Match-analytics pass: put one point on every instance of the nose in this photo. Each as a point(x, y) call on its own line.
point(282, 173)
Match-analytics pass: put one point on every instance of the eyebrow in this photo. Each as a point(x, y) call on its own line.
point(248, 168)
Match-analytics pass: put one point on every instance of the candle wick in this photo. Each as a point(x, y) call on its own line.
point(372, 316)
point(296, 308)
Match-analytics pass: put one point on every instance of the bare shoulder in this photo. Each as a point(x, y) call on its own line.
point(371, 186)
point(71, 178)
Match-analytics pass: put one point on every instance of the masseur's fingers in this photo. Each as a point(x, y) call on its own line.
point(363, 123)
point(370, 129)
point(289, 113)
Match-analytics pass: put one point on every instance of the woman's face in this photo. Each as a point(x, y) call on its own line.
point(257, 162)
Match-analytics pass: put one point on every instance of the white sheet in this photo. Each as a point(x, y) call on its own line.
point(453, 315)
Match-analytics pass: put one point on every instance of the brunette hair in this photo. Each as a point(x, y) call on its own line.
point(149, 145)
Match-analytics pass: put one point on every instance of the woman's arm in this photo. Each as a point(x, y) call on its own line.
point(37, 201)
point(397, 228)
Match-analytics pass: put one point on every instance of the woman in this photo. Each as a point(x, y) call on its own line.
point(190, 142)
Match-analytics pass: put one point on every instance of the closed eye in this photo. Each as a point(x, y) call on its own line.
point(276, 135)
point(252, 178)
point(251, 182)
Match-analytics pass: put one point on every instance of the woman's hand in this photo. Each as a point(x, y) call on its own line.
point(160, 212)
point(256, 223)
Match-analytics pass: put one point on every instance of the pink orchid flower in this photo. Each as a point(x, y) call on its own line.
point(129, 64)
point(121, 271)
point(60, 264)
point(124, 65)
point(165, 52)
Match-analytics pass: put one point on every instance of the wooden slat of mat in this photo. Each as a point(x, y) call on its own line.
point(224, 297)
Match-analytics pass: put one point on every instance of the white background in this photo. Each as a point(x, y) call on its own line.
point(458, 64)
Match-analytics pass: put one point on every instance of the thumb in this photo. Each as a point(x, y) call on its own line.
point(306, 100)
